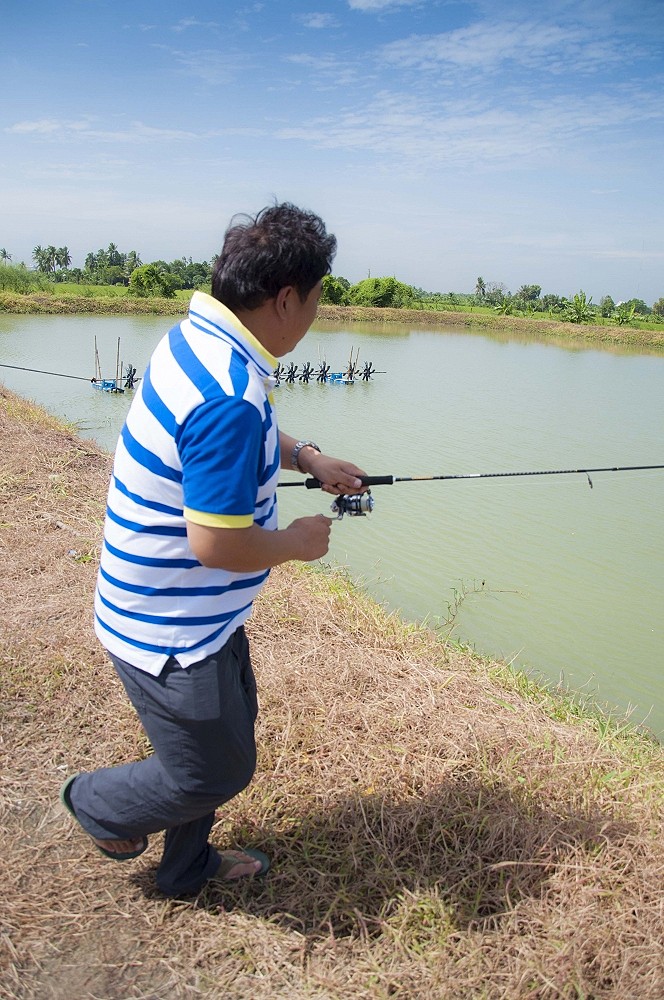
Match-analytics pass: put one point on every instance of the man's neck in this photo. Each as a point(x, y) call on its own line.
point(261, 323)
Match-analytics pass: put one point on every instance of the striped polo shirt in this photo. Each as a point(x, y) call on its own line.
point(200, 442)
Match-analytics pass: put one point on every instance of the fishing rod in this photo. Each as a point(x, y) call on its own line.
point(359, 504)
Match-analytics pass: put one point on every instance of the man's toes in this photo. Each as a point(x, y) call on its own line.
point(237, 864)
point(119, 846)
point(241, 869)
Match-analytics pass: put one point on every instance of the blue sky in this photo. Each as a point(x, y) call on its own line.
point(440, 140)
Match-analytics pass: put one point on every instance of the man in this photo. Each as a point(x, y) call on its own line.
point(190, 536)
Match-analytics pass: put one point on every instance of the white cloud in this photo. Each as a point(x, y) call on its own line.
point(331, 70)
point(84, 129)
point(192, 22)
point(531, 44)
point(94, 171)
point(317, 20)
point(48, 126)
point(214, 66)
point(479, 133)
point(371, 5)
point(327, 62)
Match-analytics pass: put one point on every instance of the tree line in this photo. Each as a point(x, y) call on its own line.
point(527, 300)
point(111, 266)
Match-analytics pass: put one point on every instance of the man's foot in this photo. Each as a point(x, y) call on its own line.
point(118, 850)
point(241, 864)
point(121, 846)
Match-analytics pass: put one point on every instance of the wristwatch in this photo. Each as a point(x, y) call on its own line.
point(295, 454)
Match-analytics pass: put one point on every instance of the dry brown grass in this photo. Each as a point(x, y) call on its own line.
point(433, 833)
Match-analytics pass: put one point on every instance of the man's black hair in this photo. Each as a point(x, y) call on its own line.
point(282, 245)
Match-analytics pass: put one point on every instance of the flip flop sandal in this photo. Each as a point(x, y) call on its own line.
point(65, 798)
point(229, 861)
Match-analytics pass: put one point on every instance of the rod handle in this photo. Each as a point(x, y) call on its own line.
point(315, 484)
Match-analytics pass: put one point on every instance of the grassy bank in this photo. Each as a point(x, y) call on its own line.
point(119, 304)
point(523, 326)
point(43, 303)
point(438, 826)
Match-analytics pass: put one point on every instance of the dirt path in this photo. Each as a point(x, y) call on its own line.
point(433, 832)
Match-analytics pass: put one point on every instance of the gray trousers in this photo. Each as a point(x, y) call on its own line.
point(200, 722)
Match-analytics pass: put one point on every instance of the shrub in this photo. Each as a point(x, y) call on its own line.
point(152, 280)
point(382, 292)
point(17, 278)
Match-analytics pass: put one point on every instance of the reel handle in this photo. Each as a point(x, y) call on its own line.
point(315, 484)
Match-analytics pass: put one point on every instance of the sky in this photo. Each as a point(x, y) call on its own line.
point(440, 140)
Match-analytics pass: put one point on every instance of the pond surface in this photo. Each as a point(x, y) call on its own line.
point(561, 579)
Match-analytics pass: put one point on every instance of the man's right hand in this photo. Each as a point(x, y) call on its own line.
point(311, 536)
point(248, 550)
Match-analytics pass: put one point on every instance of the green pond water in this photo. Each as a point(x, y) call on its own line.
point(564, 580)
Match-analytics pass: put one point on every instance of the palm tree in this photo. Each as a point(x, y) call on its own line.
point(131, 263)
point(39, 258)
point(50, 257)
point(63, 257)
point(480, 288)
point(114, 256)
point(4, 256)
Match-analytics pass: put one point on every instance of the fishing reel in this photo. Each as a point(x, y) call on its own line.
point(353, 504)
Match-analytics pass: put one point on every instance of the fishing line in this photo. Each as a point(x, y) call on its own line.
point(79, 378)
point(39, 371)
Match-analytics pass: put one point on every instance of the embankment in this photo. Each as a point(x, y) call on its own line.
point(438, 827)
point(525, 326)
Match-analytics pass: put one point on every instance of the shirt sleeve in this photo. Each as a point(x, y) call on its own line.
point(220, 447)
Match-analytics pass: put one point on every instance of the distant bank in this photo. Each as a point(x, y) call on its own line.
point(525, 326)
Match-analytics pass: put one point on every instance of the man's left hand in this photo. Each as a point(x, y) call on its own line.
point(338, 477)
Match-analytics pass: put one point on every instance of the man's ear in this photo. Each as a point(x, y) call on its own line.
point(282, 300)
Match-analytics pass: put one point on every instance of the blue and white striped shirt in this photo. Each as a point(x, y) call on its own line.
point(200, 443)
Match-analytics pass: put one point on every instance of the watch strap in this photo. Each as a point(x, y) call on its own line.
point(295, 454)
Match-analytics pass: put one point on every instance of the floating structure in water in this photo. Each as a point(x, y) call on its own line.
point(308, 373)
point(121, 382)
point(125, 378)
